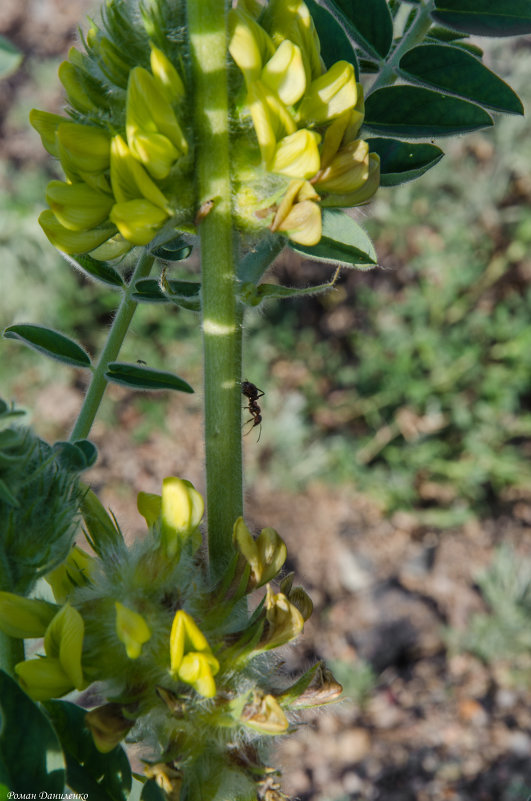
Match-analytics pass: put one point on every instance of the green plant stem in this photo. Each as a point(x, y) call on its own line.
point(416, 33)
point(222, 314)
point(110, 352)
point(11, 652)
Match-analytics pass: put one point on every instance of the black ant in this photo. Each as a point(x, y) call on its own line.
point(252, 393)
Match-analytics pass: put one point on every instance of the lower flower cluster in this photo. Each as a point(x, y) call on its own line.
point(181, 663)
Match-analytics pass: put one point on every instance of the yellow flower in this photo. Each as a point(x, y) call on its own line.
point(138, 220)
point(291, 19)
point(265, 555)
point(330, 95)
point(60, 670)
point(364, 193)
point(347, 171)
point(77, 96)
point(303, 224)
point(78, 207)
point(46, 125)
point(297, 155)
point(73, 241)
point(249, 45)
point(131, 629)
point(191, 658)
point(284, 619)
point(83, 148)
point(129, 179)
point(149, 506)
point(182, 509)
point(271, 119)
point(264, 714)
point(284, 73)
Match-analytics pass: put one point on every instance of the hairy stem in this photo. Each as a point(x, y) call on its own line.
point(222, 314)
point(416, 33)
point(110, 352)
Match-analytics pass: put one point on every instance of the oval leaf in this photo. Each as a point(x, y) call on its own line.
point(10, 57)
point(412, 111)
point(50, 342)
point(97, 270)
point(89, 450)
point(485, 17)
point(370, 24)
point(403, 161)
point(456, 71)
point(30, 754)
point(182, 293)
point(70, 457)
point(343, 242)
point(137, 377)
point(175, 249)
point(105, 777)
point(335, 44)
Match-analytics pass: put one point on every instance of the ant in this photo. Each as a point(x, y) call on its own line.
point(252, 393)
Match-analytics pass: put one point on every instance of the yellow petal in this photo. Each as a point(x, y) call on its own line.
point(185, 636)
point(249, 44)
point(46, 125)
point(166, 75)
point(303, 223)
point(73, 241)
point(64, 641)
point(364, 193)
point(113, 248)
point(138, 220)
point(131, 629)
point(83, 148)
point(198, 669)
point(155, 152)
point(76, 571)
point(77, 206)
point(284, 73)
point(24, 617)
point(77, 96)
point(347, 171)
point(330, 95)
point(297, 155)
point(129, 179)
point(43, 679)
point(148, 110)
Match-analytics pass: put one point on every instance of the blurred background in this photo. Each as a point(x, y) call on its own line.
point(394, 457)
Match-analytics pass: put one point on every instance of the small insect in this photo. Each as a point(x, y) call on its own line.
point(252, 393)
point(140, 361)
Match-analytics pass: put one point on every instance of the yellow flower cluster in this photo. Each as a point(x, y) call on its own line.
point(114, 195)
point(306, 118)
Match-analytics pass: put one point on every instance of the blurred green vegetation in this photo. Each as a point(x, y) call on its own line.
point(412, 381)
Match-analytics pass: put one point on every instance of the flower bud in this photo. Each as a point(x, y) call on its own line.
point(73, 242)
point(330, 95)
point(108, 726)
point(113, 66)
point(131, 629)
point(138, 220)
point(46, 125)
point(265, 555)
point(78, 207)
point(297, 155)
point(166, 75)
point(199, 669)
point(291, 19)
point(263, 713)
point(83, 148)
point(24, 617)
point(284, 619)
point(181, 511)
point(76, 571)
point(284, 73)
point(78, 98)
point(347, 171)
point(249, 44)
point(113, 248)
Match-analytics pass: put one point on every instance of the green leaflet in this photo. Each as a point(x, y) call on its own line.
point(51, 343)
point(412, 111)
point(485, 17)
point(454, 70)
